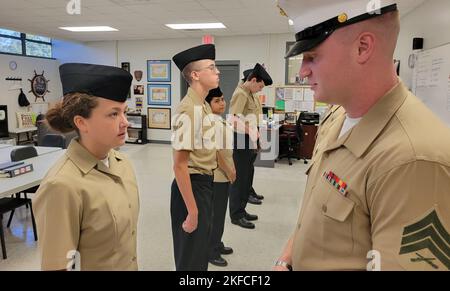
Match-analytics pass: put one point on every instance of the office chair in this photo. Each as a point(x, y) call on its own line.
point(10, 204)
point(291, 138)
point(23, 153)
point(54, 140)
point(20, 154)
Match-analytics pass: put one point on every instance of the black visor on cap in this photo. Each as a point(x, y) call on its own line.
point(311, 37)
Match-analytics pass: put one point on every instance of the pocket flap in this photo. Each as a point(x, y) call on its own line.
point(338, 207)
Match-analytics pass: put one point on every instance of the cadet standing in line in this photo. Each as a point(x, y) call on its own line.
point(223, 176)
point(195, 159)
point(89, 202)
point(245, 106)
point(379, 183)
point(253, 197)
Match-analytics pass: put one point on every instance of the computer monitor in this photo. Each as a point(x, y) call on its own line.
point(4, 121)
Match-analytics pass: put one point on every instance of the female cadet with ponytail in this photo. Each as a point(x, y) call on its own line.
point(87, 205)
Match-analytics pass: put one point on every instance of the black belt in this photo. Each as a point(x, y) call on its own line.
point(202, 178)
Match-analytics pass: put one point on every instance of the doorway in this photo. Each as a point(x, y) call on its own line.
point(229, 79)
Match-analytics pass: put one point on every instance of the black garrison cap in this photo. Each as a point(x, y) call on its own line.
point(201, 52)
point(259, 72)
point(246, 74)
point(213, 93)
point(97, 80)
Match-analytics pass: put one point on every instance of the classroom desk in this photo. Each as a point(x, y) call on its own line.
point(266, 157)
point(41, 165)
point(28, 131)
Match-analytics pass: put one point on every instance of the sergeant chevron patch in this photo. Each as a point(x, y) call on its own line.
point(425, 244)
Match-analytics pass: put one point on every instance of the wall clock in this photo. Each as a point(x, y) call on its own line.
point(12, 65)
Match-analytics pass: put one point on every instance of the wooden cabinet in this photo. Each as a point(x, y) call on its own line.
point(137, 131)
point(309, 141)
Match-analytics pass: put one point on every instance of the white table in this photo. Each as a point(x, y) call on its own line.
point(27, 130)
point(5, 152)
point(41, 165)
point(2, 146)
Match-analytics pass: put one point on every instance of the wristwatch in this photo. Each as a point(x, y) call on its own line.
point(284, 264)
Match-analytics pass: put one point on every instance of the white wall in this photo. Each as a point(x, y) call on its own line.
point(267, 49)
point(25, 70)
point(430, 21)
point(102, 53)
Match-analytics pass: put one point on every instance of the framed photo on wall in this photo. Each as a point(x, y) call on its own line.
point(138, 89)
point(126, 67)
point(159, 94)
point(159, 118)
point(158, 70)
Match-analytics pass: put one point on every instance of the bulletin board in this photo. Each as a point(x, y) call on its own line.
point(431, 80)
point(294, 98)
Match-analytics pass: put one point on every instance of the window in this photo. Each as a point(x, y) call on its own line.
point(9, 32)
point(13, 42)
point(293, 65)
point(38, 46)
point(10, 45)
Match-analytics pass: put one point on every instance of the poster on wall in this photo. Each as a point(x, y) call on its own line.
point(159, 94)
point(159, 118)
point(138, 89)
point(158, 70)
point(126, 67)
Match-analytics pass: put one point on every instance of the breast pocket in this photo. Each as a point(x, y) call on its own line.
point(336, 219)
point(251, 106)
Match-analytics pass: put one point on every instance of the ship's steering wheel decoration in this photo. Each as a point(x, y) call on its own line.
point(39, 86)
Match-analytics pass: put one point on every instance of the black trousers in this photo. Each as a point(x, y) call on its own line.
point(191, 249)
point(252, 174)
point(240, 190)
point(220, 203)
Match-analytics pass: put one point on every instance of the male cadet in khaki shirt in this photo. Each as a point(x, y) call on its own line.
point(194, 159)
point(379, 189)
point(253, 197)
point(245, 106)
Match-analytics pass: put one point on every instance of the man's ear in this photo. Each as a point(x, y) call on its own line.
point(80, 123)
point(195, 75)
point(366, 47)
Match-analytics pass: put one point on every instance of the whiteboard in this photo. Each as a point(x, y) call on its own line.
point(431, 80)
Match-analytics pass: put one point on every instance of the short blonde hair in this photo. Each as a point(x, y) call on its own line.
point(187, 72)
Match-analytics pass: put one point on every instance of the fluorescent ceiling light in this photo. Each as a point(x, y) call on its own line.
point(196, 26)
point(89, 28)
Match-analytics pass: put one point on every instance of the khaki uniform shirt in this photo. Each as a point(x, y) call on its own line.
point(226, 150)
point(193, 131)
point(384, 187)
point(245, 103)
point(333, 113)
point(85, 206)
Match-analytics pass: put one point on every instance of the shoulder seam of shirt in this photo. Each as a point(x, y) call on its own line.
point(405, 163)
